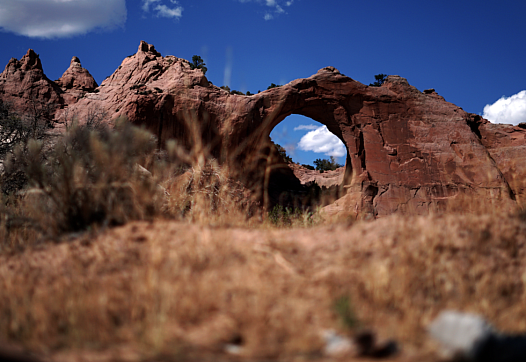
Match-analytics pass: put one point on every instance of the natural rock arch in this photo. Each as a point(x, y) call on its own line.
point(322, 115)
point(408, 151)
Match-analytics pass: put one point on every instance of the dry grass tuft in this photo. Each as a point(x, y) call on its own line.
point(207, 194)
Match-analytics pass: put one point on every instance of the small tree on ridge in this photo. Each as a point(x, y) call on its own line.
point(379, 80)
point(198, 63)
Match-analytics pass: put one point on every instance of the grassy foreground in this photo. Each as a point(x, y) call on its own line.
point(113, 251)
point(168, 290)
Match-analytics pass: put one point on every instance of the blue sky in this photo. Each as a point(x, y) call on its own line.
point(472, 52)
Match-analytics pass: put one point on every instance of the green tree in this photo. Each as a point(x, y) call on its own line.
point(198, 63)
point(272, 85)
point(326, 164)
point(379, 80)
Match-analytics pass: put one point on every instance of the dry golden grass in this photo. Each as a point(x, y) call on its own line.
point(165, 288)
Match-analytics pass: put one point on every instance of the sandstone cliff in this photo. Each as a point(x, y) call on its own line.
point(407, 151)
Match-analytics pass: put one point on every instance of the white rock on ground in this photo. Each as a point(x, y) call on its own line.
point(336, 345)
point(460, 334)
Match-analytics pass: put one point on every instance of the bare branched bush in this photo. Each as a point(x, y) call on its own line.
point(96, 118)
point(89, 178)
point(16, 130)
point(13, 130)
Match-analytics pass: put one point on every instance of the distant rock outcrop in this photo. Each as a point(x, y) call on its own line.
point(407, 151)
point(24, 85)
point(323, 179)
point(76, 77)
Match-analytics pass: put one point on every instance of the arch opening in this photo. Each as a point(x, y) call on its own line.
point(314, 156)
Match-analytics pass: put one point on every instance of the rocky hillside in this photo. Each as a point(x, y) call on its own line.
point(408, 151)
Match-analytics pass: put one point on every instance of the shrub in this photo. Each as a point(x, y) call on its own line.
point(17, 129)
point(90, 177)
point(292, 217)
point(15, 132)
point(379, 80)
point(327, 165)
point(272, 85)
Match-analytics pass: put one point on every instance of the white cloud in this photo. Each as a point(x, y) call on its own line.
point(507, 109)
point(321, 140)
point(276, 5)
point(166, 12)
point(60, 18)
point(306, 126)
point(146, 4)
point(163, 10)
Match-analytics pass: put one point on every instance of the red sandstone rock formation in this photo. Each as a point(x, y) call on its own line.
point(323, 179)
point(506, 146)
point(76, 82)
point(24, 85)
point(408, 151)
point(76, 77)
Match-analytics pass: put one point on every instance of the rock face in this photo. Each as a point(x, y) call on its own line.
point(24, 85)
point(506, 146)
point(76, 77)
point(76, 82)
point(407, 151)
point(326, 179)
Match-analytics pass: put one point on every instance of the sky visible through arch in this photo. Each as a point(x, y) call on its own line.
point(306, 140)
point(471, 52)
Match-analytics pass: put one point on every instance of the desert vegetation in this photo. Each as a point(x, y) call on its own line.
point(112, 249)
point(272, 85)
point(379, 79)
point(91, 176)
point(198, 63)
point(327, 164)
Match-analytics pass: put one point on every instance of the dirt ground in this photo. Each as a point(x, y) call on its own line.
point(166, 290)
